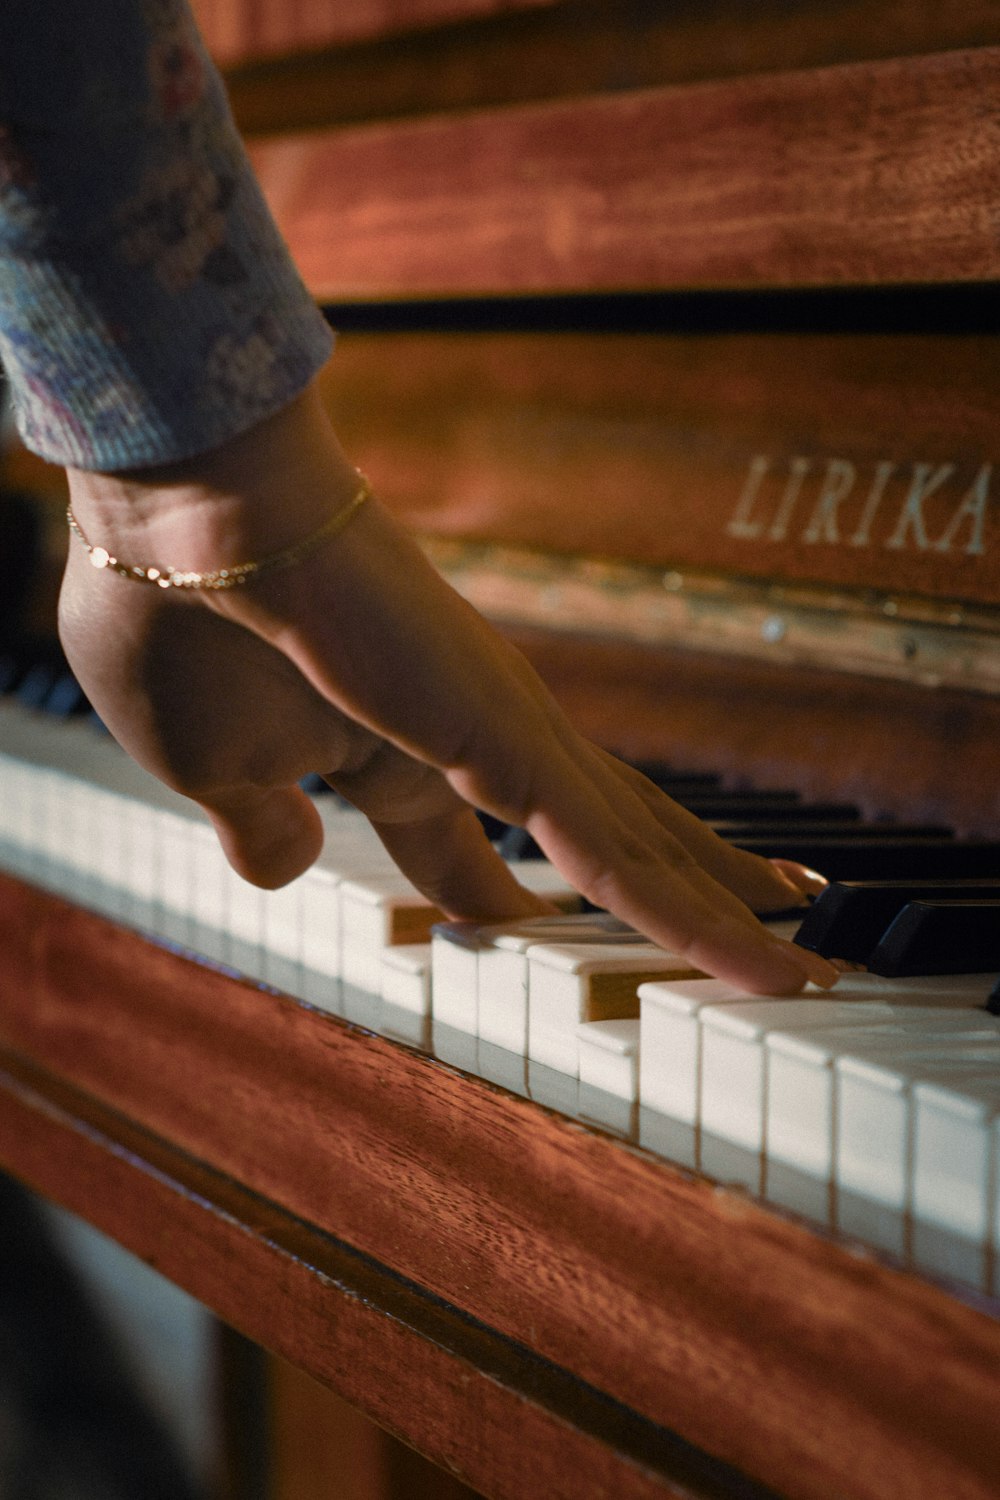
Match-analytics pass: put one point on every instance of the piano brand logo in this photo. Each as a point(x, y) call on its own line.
point(918, 507)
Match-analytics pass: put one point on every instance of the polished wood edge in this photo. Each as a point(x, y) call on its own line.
point(928, 643)
point(810, 1366)
point(335, 70)
point(835, 176)
point(343, 1317)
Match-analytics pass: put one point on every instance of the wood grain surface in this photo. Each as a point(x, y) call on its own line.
point(895, 749)
point(813, 1369)
point(643, 446)
point(871, 173)
point(238, 29)
point(504, 55)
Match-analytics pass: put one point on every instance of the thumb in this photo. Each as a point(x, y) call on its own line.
point(268, 834)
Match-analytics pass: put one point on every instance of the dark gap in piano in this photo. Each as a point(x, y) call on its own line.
point(961, 309)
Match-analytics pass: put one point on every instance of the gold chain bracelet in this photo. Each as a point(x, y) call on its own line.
point(223, 578)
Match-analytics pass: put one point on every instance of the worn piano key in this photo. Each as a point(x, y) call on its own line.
point(955, 1175)
point(569, 983)
point(380, 910)
point(848, 918)
point(459, 974)
point(884, 858)
point(875, 1132)
point(940, 937)
point(801, 1099)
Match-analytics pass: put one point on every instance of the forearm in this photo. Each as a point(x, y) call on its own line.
point(148, 307)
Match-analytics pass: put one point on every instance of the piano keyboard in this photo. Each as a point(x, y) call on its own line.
point(874, 1111)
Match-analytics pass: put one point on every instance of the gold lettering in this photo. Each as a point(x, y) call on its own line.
point(884, 471)
point(798, 469)
point(926, 479)
point(974, 507)
point(837, 483)
point(741, 524)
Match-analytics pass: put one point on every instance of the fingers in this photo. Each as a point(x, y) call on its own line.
point(764, 885)
point(433, 836)
point(619, 856)
point(268, 835)
point(451, 861)
point(809, 882)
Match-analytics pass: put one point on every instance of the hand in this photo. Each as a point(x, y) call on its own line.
point(361, 663)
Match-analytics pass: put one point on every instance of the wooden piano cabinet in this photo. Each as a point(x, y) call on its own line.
point(539, 1308)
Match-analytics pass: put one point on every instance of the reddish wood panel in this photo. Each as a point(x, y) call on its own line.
point(585, 46)
point(238, 29)
point(818, 1371)
point(287, 1287)
point(774, 456)
point(869, 173)
point(824, 733)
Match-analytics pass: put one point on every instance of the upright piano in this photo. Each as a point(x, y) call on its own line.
point(672, 330)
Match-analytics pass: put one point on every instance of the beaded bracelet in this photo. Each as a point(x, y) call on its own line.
point(223, 578)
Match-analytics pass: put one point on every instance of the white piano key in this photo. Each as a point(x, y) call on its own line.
point(480, 973)
point(458, 1047)
point(734, 1063)
point(455, 974)
point(210, 878)
point(377, 911)
point(874, 1137)
point(569, 983)
point(734, 1084)
point(503, 1066)
point(801, 1095)
point(954, 1175)
point(670, 1052)
point(670, 1056)
point(609, 1057)
point(406, 977)
point(503, 969)
point(283, 921)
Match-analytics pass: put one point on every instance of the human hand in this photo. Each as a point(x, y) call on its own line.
point(361, 663)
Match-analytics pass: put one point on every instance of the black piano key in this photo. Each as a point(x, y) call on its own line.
point(665, 776)
point(742, 809)
point(749, 828)
point(849, 917)
point(517, 843)
point(36, 685)
point(65, 698)
point(883, 857)
point(945, 937)
point(993, 1003)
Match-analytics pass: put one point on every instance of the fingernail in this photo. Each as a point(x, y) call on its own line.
point(812, 882)
point(809, 966)
point(818, 970)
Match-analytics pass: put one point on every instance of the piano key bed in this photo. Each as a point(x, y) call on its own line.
point(594, 1021)
point(873, 1113)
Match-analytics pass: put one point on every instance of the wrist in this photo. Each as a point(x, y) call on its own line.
point(265, 490)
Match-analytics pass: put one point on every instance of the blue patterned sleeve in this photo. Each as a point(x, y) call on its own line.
point(148, 306)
